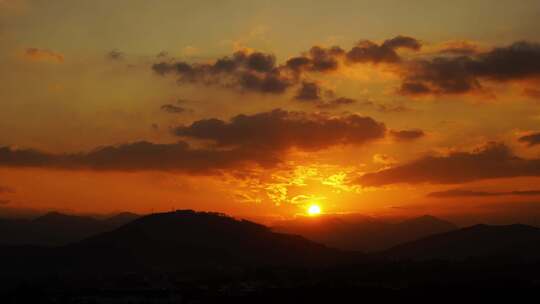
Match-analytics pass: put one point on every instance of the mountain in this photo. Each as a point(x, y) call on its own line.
point(54, 229)
point(179, 241)
point(120, 219)
point(191, 256)
point(362, 233)
point(510, 241)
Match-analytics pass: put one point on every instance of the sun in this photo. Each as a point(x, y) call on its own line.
point(314, 210)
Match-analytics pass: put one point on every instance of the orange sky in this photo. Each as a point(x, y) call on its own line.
point(262, 109)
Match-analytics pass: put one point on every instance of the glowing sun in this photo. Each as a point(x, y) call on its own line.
point(314, 210)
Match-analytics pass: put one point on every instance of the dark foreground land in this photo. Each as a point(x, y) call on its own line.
point(189, 257)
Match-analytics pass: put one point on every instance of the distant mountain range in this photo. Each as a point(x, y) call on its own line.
point(211, 254)
point(178, 240)
point(515, 242)
point(55, 229)
point(203, 241)
point(363, 233)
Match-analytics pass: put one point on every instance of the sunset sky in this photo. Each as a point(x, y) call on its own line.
point(264, 108)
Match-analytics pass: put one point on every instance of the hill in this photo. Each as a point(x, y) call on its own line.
point(516, 241)
point(178, 241)
point(55, 229)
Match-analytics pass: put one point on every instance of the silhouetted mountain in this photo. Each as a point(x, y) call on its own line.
point(199, 257)
point(120, 219)
point(54, 229)
point(511, 241)
point(363, 233)
point(182, 240)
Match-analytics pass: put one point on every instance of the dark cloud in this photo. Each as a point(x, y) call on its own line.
point(178, 157)
point(24, 158)
point(174, 109)
point(115, 55)
point(335, 103)
point(470, 193)
point(298, 63)
point(407, 135)
point(532, 139)
point(261, 62)
point(414, 88)
point(369, 52)
point(245, 71)
point(457, 68)
point(463, 74)
point(4, 202)
point(402, 42)
point(308, 91)
point(246, 140)
point(259, 72)
point(318, 59)
point(281, 130)
point(495, 160)
point(273, 83)
point(517, 61)
point(440, 75)
point(311, 92)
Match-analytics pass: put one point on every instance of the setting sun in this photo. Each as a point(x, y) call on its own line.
point(314, 210)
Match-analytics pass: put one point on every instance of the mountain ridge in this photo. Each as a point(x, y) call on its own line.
point(363, 233)
point(481, 240)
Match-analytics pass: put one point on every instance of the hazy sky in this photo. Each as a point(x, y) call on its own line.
point(262, 108)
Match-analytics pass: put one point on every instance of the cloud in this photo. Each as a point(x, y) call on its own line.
point(407, 135)
point(532, 139)
point(464, 74)
point(335, 103)
point(495, 160)
point(460, 47)
point(36, 54)
point(369, 52)
point(115, 55)
point(245, 141)
point(245, 71)
point(471, 193)
point(456, 67)
point(256, 71)
point(311, 92)
point(440, 75)
point(137, 156)
point(174, 109)
point(402, 42)
point(281, 130)
point(4, 202)
point(318, 59)
point(308, 91)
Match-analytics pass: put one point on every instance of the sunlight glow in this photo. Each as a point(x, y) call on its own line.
point(314, 210)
